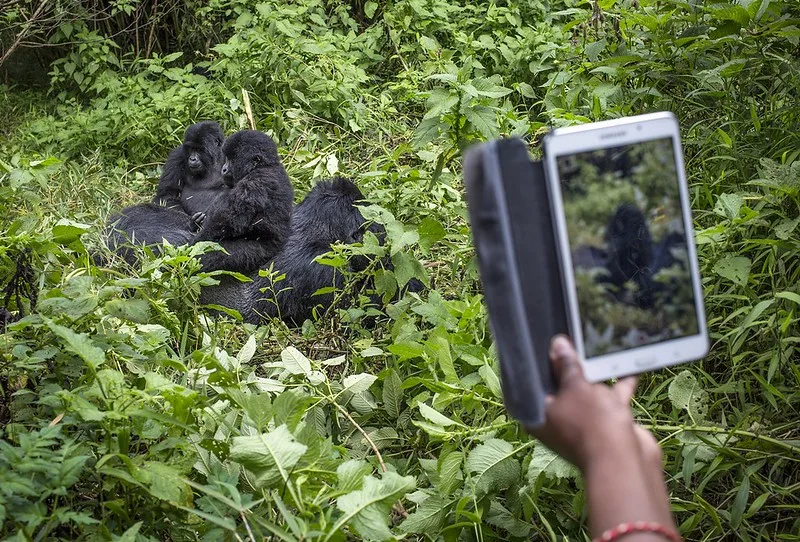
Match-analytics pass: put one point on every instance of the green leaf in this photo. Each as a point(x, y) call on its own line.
point(430, 232)
point(78, 343)
point(791, 296)
point(593, 49)
point(685, 393)
point(732, 12)
point(440, 102)
point(429, 517)
point(729, 205)
point(493, 466)
point(740, 503)
point(438, 348)
point(392, 394)
point(370, 8)
point(132, 310)
point(450, 475)
point(359, 382)
point(351, 474)
point(485, 87)
point(407, 267)
point(483, 119)
point(428, 130)
point(248, 351)
point(166, 483)
point(490, 378)
point(367, 510)
point(434, 416)
point(785, 228)
point(295, 362)
point(734, 268)
point(545, 461)
point(268, 456)
point(66, 232)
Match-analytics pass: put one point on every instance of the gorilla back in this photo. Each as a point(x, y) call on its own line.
point(326, 216)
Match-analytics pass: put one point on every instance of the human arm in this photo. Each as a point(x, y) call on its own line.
point(592, 426)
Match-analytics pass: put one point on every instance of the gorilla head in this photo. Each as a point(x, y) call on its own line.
point(193, 169)
point(245, 151)
point(327, 215)
point(202, 148)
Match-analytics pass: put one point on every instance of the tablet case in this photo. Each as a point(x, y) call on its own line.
point(514, 238)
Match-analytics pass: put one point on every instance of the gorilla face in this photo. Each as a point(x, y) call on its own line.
point(246, 151)
point(202, 148)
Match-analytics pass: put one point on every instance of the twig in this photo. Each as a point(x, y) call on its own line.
point(247, 526)
point(151, 37)
point(25, 30)
point(361, 430)
point(247, 109)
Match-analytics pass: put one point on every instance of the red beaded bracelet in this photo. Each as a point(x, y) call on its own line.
point(624, 529)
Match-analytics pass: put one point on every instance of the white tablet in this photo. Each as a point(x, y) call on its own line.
point(620, 204)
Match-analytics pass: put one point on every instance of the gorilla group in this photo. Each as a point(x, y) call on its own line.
point(238, 194)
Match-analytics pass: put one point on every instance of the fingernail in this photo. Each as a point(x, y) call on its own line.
point(559, 347)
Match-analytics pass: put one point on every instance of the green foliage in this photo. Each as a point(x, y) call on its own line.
point(130, 413)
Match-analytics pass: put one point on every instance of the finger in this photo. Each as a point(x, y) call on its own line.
point(625, 388)
point(565, 361)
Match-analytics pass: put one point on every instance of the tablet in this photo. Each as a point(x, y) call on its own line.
point(620, 205)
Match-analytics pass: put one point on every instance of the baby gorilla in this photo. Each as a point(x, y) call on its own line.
point(251, 220)
point(189, 183)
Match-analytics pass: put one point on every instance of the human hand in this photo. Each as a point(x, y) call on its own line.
point(588, 422)
point(592, 426)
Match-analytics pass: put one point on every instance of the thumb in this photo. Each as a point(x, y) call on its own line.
point(565, 362)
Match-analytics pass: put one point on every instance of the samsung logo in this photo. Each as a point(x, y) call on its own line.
point(612, 135)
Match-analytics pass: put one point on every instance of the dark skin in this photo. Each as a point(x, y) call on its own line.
point(592, 426)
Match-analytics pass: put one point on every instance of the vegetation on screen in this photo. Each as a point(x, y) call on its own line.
point(126, 413)
point(628, 242)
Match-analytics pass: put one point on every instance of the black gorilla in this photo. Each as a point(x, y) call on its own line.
point(192, 176)
point(252, 220)
point(190, 181)
point(630, 246)
point(326, 216)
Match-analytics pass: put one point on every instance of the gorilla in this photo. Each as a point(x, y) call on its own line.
point(192, 176)
point(251, 220)
point(628, 255)
point(631, 255)
point(326, 216)
point(630, 247)
point(190, 181)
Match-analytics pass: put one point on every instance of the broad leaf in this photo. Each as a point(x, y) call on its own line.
point(686, 394)
point(367, 510)
point(268, 456)
point(78, 343)
point(493, 466)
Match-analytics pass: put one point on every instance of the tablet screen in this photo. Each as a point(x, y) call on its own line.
point(627, 239)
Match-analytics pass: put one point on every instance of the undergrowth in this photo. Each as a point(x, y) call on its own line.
point(128, 413)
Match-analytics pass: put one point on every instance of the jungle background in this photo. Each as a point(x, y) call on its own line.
point(128, 415)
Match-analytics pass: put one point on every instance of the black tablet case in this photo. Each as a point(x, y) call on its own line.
point(515, 242)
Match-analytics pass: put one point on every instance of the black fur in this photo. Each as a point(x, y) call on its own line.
point(190, 181)
point(252, 220)
point(192, 175)
point(326, 216)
